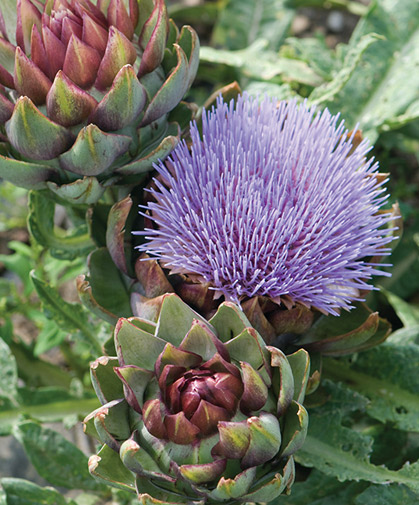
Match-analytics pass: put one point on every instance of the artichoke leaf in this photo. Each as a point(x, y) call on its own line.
point(107, 467)
point(94, 151)
point(122, 104)
point(107, 387)
point(176, 319)
point(189, 42)
point(272, 486)
point(34, 135)
point(284, 386)
point(160, 152)
point(249, 347)
point(229, 321)
point(111, 423)
point(84, 191)
point(136, 346)
point(300, 366)
point(25, 174)
point(234, 488)
point(172, 90)
point(115, 232)
point(295, 429)
point(135, 381)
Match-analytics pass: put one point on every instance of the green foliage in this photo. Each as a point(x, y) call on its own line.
point(56, 459)
point(22, 492)
point(12, 207)
point(8, 387)
point(338, 446)
point(363, 439)
point(344, 454)
point(233, 30)
point(378, 93)
point(387, 495)
point(388, 376)
point(258, 62)
point(68, 316)
point(363, 80)
point(41, 225)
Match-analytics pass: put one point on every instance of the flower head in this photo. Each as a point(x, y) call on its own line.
point(82, 85)
point(274, 200)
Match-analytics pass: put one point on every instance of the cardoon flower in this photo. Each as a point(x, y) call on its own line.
point(273, 200)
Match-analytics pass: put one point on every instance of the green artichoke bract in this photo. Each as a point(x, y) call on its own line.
point(85, 92)
point(197, 411)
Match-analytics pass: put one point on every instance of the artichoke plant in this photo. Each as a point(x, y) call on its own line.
point(236, 234)
point(197, 411)
point(86, 89)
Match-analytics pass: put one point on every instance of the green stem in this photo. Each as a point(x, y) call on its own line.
point(50, 411)
point(348, 5)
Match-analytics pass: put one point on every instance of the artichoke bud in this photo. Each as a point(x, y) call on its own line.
point(85, 92)
point(198, 410)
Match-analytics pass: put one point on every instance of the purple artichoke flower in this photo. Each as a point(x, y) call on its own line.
point(274, 200)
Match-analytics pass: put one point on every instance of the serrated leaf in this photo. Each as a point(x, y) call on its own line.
point(68, 316)
point(411, 114)
point(56, 459)
point(41, 226)
point(387, 495)
point(241, 22)
point(23, 492)
point(337, 399)
point(35, 371)
point(278, 91)
point(49, 337)
point(405, 336)
point(344, 454)
point(387, 376)
point(315, 52)
point(378, 90)
point(404, 280)
point(88, 499)
point(329, 90)
point(8, 372)
point(321, 489)
point(257, 62)
point(19, 264)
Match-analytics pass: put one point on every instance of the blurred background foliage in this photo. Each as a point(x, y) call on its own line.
point(357, 58)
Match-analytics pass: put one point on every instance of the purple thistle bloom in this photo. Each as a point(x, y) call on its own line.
point(271, 202)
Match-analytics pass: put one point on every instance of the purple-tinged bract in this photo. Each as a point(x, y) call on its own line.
point(273, 200)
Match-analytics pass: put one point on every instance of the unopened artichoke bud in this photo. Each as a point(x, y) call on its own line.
point(196, 410)
point(86, 88)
